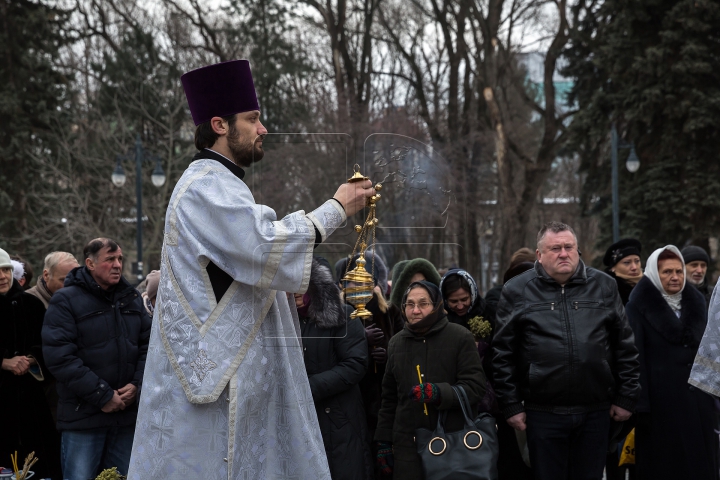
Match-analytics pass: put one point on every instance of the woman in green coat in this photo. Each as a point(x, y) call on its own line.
point(446, 355)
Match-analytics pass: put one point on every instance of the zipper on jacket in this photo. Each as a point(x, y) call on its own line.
point(552, 306)
point(78, 406)
point(571, 352)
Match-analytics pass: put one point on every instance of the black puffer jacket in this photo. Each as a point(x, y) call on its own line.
point(336, 358)
point(564, 349)
point(94, 342)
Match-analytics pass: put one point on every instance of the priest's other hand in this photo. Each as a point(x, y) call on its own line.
point(518, 421)
point(114, 404)
point(128, 394)
point(18, 365)
point(619, 414)
point(353, 196)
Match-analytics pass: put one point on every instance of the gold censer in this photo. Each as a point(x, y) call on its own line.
point(359, 282)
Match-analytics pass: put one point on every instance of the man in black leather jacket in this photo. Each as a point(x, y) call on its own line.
point(565, 359)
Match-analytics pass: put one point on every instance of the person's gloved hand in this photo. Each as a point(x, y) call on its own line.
point(379, 355)
point(385, 459)
point(425, 393)
point(374, 335)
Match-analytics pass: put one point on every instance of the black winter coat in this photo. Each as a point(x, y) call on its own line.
point(26, 421)
point(390, 323)
point(563, 348)
point(336, 358)
point(674, 435)
point(95, 342)
point(447, 356)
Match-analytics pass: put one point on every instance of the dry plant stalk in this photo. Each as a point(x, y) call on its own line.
point(29, 462)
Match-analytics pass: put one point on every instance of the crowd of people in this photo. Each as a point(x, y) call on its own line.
point(568, 360)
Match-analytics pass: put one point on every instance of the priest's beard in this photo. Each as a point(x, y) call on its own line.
point(245, 152)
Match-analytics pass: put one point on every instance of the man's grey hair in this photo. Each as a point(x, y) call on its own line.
point(554, 227)
point(52, 260)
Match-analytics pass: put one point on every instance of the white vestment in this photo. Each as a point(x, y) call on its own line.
point(225, 394)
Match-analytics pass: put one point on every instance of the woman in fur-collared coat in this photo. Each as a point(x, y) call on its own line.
point(336, 359)
point(674, 434)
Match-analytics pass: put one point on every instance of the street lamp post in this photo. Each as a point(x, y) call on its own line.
point(157, 178)
point(632, 164)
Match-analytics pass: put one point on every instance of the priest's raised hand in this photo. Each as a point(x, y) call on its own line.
point(353, 196)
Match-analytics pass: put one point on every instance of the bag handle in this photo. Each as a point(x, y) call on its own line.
point(464, 404)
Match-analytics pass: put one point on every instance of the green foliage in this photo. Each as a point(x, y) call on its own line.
point(110, 474)
point(653, 67)
point(31, 94)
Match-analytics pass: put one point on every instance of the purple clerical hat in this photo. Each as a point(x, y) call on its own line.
point(220, 90)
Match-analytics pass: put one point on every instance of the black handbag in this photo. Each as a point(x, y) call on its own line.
point(468, 454)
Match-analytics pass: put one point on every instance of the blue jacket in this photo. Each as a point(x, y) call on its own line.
point(94, 342)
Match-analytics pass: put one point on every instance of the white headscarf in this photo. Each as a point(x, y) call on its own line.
point(651, 271)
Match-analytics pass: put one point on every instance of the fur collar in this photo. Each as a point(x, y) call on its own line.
point(688, 329)
point(325, 308)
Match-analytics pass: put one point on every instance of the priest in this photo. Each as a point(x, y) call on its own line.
point(225, 394)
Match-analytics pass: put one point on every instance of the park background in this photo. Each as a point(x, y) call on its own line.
point(504, 108)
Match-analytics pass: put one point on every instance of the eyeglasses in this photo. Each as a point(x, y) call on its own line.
point(422, 305)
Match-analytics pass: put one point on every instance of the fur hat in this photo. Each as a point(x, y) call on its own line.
point(325, 308)
point(5, 261)
point(18, 270)
point(404, 271)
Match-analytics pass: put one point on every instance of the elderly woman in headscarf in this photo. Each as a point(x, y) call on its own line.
point(446, 355)
point(674, 434)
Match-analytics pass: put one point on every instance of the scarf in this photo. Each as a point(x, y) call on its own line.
point(631, 280)
point(438, 312)
point(43, 290)
point(651, 271)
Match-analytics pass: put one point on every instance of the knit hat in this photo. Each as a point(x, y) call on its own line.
point(153, 280)
point(693, 253)
point(5, 259)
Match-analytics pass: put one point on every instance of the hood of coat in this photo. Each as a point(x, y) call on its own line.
point(403, 273)
point(648, 300)
point(326, 308)
point(81, 277)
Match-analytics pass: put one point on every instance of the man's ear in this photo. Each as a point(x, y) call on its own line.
point(89, 264)
point(219, 125)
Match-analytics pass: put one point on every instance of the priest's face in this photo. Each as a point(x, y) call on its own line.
point(245, 138)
